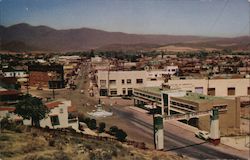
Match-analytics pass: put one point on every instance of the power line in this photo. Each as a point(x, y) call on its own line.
point(219, 15)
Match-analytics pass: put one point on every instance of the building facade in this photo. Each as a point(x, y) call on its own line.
point(116, 83)
point(214, 87)
point(172, 102)
point(48, 76)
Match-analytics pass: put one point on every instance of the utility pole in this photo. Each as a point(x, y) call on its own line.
point(108, 78)
point(158, 128)
point(154, 125)
point(27, 83)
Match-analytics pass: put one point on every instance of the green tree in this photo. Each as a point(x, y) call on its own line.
point(121, 135)
point(92, 124)
point(102, 127)
point(113, 130)
point(31, 108)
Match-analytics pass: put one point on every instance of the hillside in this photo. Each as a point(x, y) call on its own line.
point(24, 37)
point(46, 38)
point(40, 145)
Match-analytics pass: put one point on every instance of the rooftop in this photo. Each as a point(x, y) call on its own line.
point(199, 98)
point(157, 90)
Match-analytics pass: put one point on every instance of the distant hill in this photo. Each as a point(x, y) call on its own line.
point(24, 37)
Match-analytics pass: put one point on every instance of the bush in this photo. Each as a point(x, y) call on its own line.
point(81, 118)
point(5, 123)
point(102, 127)
point(10, 125)
point(121, 135)
point(4, 138)
point(113, 130)
point(87, 120)
point(92, 124)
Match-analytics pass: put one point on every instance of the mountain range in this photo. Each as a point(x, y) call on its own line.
point(24, 37)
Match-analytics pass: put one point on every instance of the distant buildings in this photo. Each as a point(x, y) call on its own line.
point(49, 76)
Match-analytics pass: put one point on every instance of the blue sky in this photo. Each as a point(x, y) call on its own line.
point(178, 17)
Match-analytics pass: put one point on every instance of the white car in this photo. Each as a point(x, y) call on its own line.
point(202, 135)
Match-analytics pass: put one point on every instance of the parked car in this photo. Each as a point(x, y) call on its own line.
point(202, 135)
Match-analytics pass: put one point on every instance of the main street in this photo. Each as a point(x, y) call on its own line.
point(139, 125)
point(177, 139)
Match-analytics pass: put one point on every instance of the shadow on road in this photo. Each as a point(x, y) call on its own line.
point(196, 144)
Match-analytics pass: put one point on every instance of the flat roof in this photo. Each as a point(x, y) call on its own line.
point(157, 90)
point(200, 98)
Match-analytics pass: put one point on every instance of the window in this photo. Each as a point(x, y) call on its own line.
point(128, 81)
point(113, 92)
point(230, 91)
point(248, 90)
point(103, 83)
point(124, 91)
point(221, 107)
point(123, 81)
point(173, 70)
point(54, 120)
point(130, 91)
point(139, 80)
point(112, 81)
point(153, 79)
point(61, 110)
point(211, 91)
point(199, 90)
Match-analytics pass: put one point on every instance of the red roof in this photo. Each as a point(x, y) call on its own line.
point(71, 109)
point(52, 105)
point(9, 92)
point(55, 104)
point(7, 109)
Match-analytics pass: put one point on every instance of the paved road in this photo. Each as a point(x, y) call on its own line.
point(175, 139)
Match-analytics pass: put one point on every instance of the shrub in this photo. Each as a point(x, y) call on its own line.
point(113, 130)
point(52, 142)
point(102, 127)
point(81, 118)
point(121, 135)
point(92, 124)
point(4, 138)
point(87, 121)
point(5, 123)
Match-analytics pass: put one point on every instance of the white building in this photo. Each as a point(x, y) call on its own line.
point(215, 87)
point(14, 73)
point(115, 83)
point(96, 59)
point(58, 117)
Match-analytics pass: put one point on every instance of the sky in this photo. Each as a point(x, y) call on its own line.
point(220, 18)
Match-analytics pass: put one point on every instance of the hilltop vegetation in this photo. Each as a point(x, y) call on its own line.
point(36, 144)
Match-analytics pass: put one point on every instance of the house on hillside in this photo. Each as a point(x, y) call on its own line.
point(60, 115)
